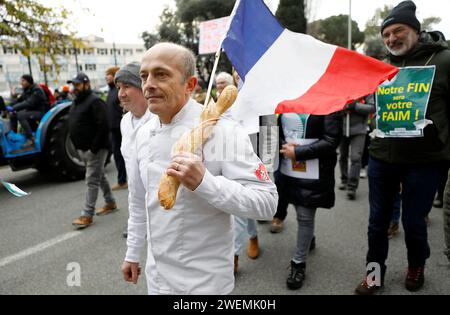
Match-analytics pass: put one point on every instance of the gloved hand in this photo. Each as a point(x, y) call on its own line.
point(9, 109)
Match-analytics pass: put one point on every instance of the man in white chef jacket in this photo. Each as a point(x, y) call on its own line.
point(131, 97)
point(190, 247)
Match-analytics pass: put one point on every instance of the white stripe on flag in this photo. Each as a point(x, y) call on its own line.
point(287, 70)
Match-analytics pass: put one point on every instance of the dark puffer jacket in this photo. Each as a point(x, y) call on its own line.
point(88, 123)
point(115, 111)
point(33, 99)
point(309, 192)
point(435, 145)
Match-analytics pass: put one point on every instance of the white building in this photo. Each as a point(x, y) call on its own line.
point(93, 60)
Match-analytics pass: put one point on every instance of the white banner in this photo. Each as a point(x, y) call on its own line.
point(211, 34)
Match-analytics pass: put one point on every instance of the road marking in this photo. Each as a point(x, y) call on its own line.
point(38, 248)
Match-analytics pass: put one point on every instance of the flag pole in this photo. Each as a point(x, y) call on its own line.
point(213, 74)
point(347, 131)
point(217, 57)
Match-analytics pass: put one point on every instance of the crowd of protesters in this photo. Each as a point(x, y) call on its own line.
point(194, 248)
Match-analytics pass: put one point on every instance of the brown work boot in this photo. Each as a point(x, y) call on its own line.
point(29, 143)
point(107, 209)
point(236, 259)
point(277, 225)
point(253, 248)
point(82, 222)
point(119, 186)
point(393, 230)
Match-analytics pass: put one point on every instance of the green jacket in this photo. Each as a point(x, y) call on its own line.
point(435, 145)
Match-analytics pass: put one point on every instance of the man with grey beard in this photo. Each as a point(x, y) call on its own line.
point(414, 163)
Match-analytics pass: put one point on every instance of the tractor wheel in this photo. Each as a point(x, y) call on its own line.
point(62, 159)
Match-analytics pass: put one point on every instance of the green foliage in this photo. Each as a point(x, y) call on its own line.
point(35, 29)
point(373, 25)
point(291, 14)
point(428, 23)
point(334, 30)
point(374, 47)
point(181, 26)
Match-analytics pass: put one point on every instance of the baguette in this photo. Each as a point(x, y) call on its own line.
point(192, 141)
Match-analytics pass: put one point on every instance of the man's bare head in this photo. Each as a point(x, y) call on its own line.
point(168, 78)
point(182, 55)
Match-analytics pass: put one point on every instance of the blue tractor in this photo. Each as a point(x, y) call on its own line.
point(53, 152)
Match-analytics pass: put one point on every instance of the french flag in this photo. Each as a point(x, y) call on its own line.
point(287, 72)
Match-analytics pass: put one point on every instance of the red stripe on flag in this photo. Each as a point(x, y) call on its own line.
point(349, 77)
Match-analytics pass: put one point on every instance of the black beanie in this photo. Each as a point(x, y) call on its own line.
point(28, 78)
point(403, 13)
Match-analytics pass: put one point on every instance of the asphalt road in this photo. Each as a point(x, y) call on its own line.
point(39, 250)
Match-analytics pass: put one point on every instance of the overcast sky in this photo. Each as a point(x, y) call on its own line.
point(123, 21)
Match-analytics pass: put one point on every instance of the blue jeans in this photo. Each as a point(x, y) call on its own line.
point(419, 185)
point(305, 233)
point(244, 228)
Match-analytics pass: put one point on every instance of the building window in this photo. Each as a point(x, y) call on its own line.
point(139, 51)
point(90, 67)
point(117, 51)
point(127, 52)
point(1, 68)
point(102, 51)
point(74, 51)
point(88, 51)
point(9, 51)
point(63, 68)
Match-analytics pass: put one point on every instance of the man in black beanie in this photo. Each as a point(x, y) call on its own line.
point(403, 17)
point(416, 163)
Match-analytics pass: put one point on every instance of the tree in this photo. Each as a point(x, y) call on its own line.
point(373, 44)
point(373, 25)
point(428, 23)
point(181, 26)
point(333, 30)
point(33, 28)
point(291, 14)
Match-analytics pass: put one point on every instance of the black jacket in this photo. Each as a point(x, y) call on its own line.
point(2, 104)
point(435, 145)
point(359, 116)
point(88, 123)
point(34, 99)
point(311, 192)
point(115, 111)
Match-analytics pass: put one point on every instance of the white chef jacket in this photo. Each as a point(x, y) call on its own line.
point(136, 188)
point(191, 245)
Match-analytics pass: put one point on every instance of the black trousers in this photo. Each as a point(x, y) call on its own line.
point(116, 138)
point(24, 118)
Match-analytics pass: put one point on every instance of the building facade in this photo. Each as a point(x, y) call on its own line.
point(93, 60)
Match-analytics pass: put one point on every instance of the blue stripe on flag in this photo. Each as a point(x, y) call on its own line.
point(252, 31)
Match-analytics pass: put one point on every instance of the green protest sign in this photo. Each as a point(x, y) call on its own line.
point(402, 103)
